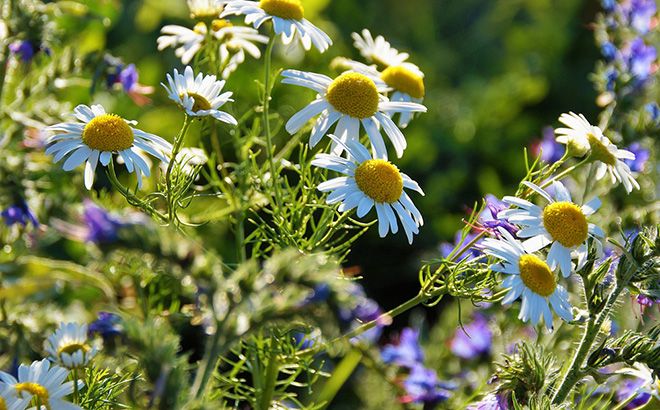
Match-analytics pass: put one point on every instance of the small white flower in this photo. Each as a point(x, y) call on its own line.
point(378, 50)
point(187, 42)
point(43, 384)
point(9, 400)
point(235, 41)
point(69, 347)
point(199, 96)
point(205, 9)
point(350, 100)
point(531, 279)
point(97, 137)
point(561, 223)
point(582, 137)
point(189, 158)
point(371, 182)
point(288, 20)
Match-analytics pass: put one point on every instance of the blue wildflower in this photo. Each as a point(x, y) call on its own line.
point(631, 387)
point(422, 386)
point(364, 310)
point(473, 340)
point(23, 49)
point(609, 51)
point(491, 401)
point(611, 75)
point(320, 293)
point(654, 111)
point(19, 213)
point(446, 248)
point(490, 220)
point(101, 226)
point(608, 5)
point(303, 341)
point(128, 77)
point(107, 325)
point(638, 14)
point(642, 155)
point(548, 148)
point(408, 353)
point(639, 59)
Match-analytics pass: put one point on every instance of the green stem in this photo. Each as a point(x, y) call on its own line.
point(266, 109)
point(207, 365)
point(176, 147)
point(565, 172)
point(272, 370)
point(76, 398)
point(591, 331)
point(130, 197)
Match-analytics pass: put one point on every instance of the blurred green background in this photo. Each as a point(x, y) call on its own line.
point(497, 72)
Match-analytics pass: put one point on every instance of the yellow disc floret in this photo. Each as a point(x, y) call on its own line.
point(200, 103)
point(3, 404)
point(379, 180)
point(566, 223)
point(217, 25)
point(353, 94)
point(599, 151)
point(404, 80)
point(200, 28)
point(286, 9)
point(74, 347)
point(536, 275)
point(108, 132)
point(36, 390)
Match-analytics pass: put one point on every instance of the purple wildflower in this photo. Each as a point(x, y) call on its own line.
point(491, 401)
point(408, 353)
point(128, 77)
point(548, 148)
point(638, 14)
point(106, 326)
point(472, 340)
point(645, 301)
point(633, 387)
point(446, 248)
point(489, 219)
point(24, 49)
point(365, 310)
point(608, 5)
point(320, 293)
point(422, 386)
point(639, 59)
point(303, 341)
point(642, 155)
point(19, 213)
point(102, 227)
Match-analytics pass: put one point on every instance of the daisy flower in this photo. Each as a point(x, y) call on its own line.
point(187, 42)
point(205, 9)
point(405, 81)
point(378, 50)
point(581, 136)
point(349, 100)
point(9, 400)
point(288, 20)
point(531, 279)
point(561, 224)
point(42, 385)
point(235, 41)
point(97, 137)
point(371, 182)
point(68, 346)
point(199, 96)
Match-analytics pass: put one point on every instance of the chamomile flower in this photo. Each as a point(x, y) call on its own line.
point(371, 182)
point(350, 100)
point(378, 50)
point(405, 81)
point(531, 279)
point(69, 346)
point(235, 42)
point(581, 137)
point(42, 385)
point(97, 137)
point(187, 42)
point(199, 96)
point(288, 18)
point(9, 400)
point(561, 224)
point(205, 9)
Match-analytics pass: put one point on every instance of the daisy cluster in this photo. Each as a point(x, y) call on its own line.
point(45, 384)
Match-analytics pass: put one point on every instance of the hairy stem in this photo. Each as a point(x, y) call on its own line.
point(176, 147)
point(266, 109)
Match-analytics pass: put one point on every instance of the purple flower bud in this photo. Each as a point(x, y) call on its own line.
point(19, 214)
point(609, 51)
point(102, 227)
point(107, 325)
point(642, 155)
point(128, 77)
point(23, 49)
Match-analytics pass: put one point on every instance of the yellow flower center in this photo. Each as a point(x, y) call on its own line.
point(404, 80)
point(108, 132)
point(205, 10)
point(536, 275)
point(379, 180)
point(353, 94)
point(286, 9)
point(220, 24)
point(599, 151)
point(74, 347)
point(200, 28)
point(38, 391)
point(200, 103)
point(566, 223)
point(3, 404)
